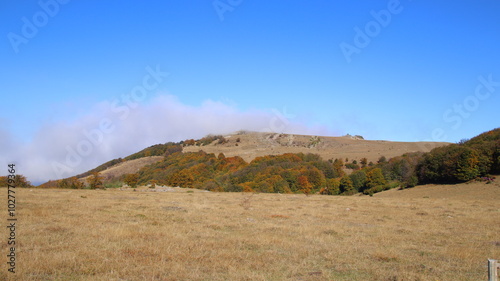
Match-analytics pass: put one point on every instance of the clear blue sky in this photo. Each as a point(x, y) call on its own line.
point(395, 70)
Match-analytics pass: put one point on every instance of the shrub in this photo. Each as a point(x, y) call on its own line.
point(382, 159)
point(363, 161)
point(115, 184)
point(352, 166)
point(153, 183)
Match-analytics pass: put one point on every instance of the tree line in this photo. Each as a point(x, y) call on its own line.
point(308, 173)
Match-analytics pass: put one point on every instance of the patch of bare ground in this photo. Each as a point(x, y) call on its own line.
point(127, 235)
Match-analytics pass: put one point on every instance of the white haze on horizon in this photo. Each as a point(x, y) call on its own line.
point(111, 130)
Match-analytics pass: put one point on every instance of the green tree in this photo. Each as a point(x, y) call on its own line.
point(382, 159)
point(316, 178)
point(451, 164)
point(467, 165)
point(332, 187)
point(346, 185)
point(358, 179)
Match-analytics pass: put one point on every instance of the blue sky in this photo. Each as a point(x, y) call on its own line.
point(394, 70)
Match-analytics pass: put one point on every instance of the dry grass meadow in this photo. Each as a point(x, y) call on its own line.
point(425, 233)
point(251, 145)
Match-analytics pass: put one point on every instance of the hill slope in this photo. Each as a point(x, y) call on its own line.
point(126, 167)
point(253, 144)
point(250, 145)
point(462, 191)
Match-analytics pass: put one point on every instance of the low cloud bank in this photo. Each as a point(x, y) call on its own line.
point(113, 129)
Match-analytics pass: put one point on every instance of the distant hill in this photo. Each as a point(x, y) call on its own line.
point(250, 145)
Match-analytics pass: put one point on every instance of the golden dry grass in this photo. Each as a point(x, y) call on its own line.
point(253, 144)
point(127, 235)
point(127, 167)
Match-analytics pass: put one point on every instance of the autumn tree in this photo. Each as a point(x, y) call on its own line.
point(467, 165)
point(182, 179)
point(95, 181)
point(221, 156)
point(375, 178)
point(3, 182)
point(304, 185)
point(189, 142)
point(20, 181)
point(337, 167)
point(332, 187)
point(363, 161)
point(72, 183)
point(131, 180)
point(316, 177)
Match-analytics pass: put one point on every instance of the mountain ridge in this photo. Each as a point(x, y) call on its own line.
point(250, 145)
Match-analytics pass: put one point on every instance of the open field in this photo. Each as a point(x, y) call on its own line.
point(425, 233)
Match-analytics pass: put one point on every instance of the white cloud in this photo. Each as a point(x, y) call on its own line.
point(112, 130)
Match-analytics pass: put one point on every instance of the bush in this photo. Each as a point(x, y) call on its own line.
point(382, 159)
point(115, 184)
point(210, 139)
point(352, 166)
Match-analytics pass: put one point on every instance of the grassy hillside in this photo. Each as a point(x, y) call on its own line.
point(246, 146)
point(300, 172)
point(250, 145)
